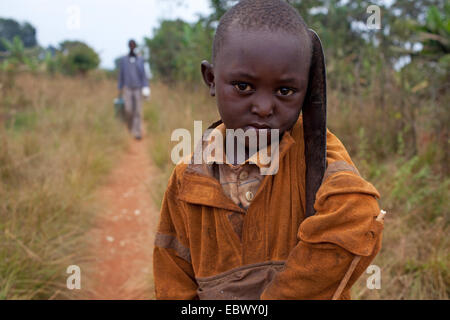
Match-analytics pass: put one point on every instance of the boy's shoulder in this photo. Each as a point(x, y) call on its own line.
point(176, 177)
point(186, 167)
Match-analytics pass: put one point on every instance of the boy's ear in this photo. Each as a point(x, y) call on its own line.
point(208, 77)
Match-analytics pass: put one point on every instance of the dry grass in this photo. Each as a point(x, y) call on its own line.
point(415, 257)
point(414, 260)
point(58, 140)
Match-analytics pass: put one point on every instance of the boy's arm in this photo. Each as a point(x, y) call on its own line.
point(173, 274)
point(344, 226)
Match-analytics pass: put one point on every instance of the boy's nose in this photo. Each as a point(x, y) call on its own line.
point(263, 106)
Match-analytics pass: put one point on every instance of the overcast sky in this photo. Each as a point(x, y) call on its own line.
point(105, 25)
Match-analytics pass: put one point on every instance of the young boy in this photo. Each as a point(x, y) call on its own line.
point(226, 230)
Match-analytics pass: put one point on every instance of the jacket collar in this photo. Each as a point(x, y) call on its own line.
point(200, 184)
point(220, 156)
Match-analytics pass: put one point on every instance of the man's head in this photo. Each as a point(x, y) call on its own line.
point(261, 59)
point(132, 45)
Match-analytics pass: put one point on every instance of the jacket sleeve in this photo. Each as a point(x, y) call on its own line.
point(344, 226)
point(173, 273)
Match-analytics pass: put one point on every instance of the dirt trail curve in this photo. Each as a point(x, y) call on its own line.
point(122, 241)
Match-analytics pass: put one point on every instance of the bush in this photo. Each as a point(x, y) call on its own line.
point(177, 49)
point(77, 58)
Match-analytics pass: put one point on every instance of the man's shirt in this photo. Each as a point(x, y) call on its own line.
point(132, 73)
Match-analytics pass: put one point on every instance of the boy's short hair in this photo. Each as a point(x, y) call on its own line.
point(271, 15)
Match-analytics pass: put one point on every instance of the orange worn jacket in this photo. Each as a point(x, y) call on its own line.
point(281, 255)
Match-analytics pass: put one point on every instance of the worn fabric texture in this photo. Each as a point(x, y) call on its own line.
point(275, 253)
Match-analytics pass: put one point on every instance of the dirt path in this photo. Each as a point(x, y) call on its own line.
point(122, 242)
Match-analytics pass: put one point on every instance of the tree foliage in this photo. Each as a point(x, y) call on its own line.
point(15, 50)
point(435, 34)
point(10, 28)
point(20, 51)
point(178, 47)
point(75, 57)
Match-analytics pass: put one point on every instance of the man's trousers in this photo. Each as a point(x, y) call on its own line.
point(133, 108)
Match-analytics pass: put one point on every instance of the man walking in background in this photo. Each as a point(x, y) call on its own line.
point(133, 83)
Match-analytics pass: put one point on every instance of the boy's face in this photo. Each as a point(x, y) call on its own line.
point(259, 79)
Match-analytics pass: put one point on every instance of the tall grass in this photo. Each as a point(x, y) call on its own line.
point(414, 259)
point(58, 140)
point(171, 108)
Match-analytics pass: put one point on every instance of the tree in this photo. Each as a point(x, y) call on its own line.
point(10, 28)
point(75, 57)
point(435, 57)
point(15, 50)
point(17, 56)
point(177, 49)
point(435, 34)
point(219, 8)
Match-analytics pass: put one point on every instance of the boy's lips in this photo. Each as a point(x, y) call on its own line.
point(259, 129)
point(257, 126)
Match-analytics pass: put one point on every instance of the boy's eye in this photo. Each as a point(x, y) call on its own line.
point(285, 91)
point(242, 86)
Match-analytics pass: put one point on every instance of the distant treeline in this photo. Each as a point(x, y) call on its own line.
point(10, 28)
point(20, 50)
